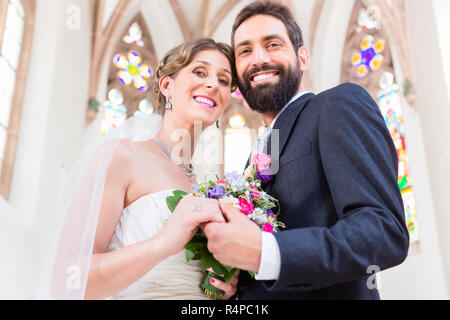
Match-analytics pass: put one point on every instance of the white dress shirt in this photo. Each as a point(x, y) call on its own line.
point(269, 268)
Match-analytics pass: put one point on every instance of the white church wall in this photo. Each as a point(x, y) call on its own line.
point(52, 124)
point(421, 276)
point(223, 31)
point(329, 43)
point(428, 31)
point(303, 12)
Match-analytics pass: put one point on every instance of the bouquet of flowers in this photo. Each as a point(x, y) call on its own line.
point(245, 193)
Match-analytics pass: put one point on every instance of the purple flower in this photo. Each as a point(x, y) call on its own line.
point(265, 175)
point(216, 192)
point(195, 188)
point(235, 179)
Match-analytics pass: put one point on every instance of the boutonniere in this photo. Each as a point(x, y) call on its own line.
point(258, 170)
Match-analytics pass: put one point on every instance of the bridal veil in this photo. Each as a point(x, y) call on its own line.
point(62, 271)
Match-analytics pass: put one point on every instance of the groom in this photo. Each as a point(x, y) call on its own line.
point(336, 181)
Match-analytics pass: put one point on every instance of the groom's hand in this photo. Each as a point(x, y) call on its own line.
point(237, 242)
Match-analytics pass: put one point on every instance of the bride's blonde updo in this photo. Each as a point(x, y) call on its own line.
point(181, 56)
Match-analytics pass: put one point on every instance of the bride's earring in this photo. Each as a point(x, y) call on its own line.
point(169, 105)
point(217, 124)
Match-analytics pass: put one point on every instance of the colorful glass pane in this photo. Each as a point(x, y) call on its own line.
point(391, 109)
point(369, 58)
point(369, 18)
point(132, 70)
point(134, 35)
point(410, 214)
point(145, 109)
point(115, 96)
point(113, 112)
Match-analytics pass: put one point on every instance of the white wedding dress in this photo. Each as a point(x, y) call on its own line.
point(171, 279)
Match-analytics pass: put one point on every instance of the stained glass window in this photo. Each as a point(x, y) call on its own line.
point(132, 70)
point(372, 66)
point(113, 111)
point(369, 18)
point(390, 105)
point(145, 109)
point(369, 57)
point(134, 35)
point(9, 63)
point(129, 76)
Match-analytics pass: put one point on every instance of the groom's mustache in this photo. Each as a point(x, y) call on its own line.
point(276, 67)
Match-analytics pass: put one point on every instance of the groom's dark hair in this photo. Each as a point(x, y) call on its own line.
point(273, 9)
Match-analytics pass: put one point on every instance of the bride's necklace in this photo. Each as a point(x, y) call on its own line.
point(188, 170)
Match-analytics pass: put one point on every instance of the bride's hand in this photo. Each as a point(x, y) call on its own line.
point(229, 287)
point(189, 214)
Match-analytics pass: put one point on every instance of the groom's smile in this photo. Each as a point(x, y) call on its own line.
point(265, 77)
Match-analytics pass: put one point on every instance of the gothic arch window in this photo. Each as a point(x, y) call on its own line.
point(240, 127)
point(368, 61)
point(16, 31)
point(238, 143)
point(130, 74)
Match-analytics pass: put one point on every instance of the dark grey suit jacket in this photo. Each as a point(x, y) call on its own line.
point(339, 197)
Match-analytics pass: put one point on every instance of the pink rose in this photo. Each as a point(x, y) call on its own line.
point(246, 206)
point(268, 227)
point(221, 182)
point(261, 161)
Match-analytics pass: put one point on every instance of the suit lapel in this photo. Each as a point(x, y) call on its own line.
point(285, 124)
point(282, 130)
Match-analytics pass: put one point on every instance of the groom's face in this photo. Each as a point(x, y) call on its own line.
point(268, 67)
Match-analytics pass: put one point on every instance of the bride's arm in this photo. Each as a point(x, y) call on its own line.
point(112, 272)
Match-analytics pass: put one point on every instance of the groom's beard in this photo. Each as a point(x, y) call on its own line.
point(271, 97)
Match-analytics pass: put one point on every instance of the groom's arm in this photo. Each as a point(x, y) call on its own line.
point(360, 164)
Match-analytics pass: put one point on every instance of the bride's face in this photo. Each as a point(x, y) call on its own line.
point(201, 91)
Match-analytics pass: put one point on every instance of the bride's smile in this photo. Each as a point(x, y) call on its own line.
point(201, 91)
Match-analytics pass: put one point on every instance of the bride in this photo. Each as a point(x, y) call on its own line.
point(118, 239)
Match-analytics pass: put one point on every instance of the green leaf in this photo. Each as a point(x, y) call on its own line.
point(195, 245)
point(229, 274)
point(251, 273)
point(219, 268)
point(229, 269)
point(172, 201)
point(180, 193)
point(207, 258)
point(189, 255)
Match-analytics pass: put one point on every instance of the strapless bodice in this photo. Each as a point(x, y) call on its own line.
point(171, 279)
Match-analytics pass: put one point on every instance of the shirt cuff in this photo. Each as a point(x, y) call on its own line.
point(269, 267)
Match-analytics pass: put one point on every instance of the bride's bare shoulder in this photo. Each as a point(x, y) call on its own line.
point(131, 153)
